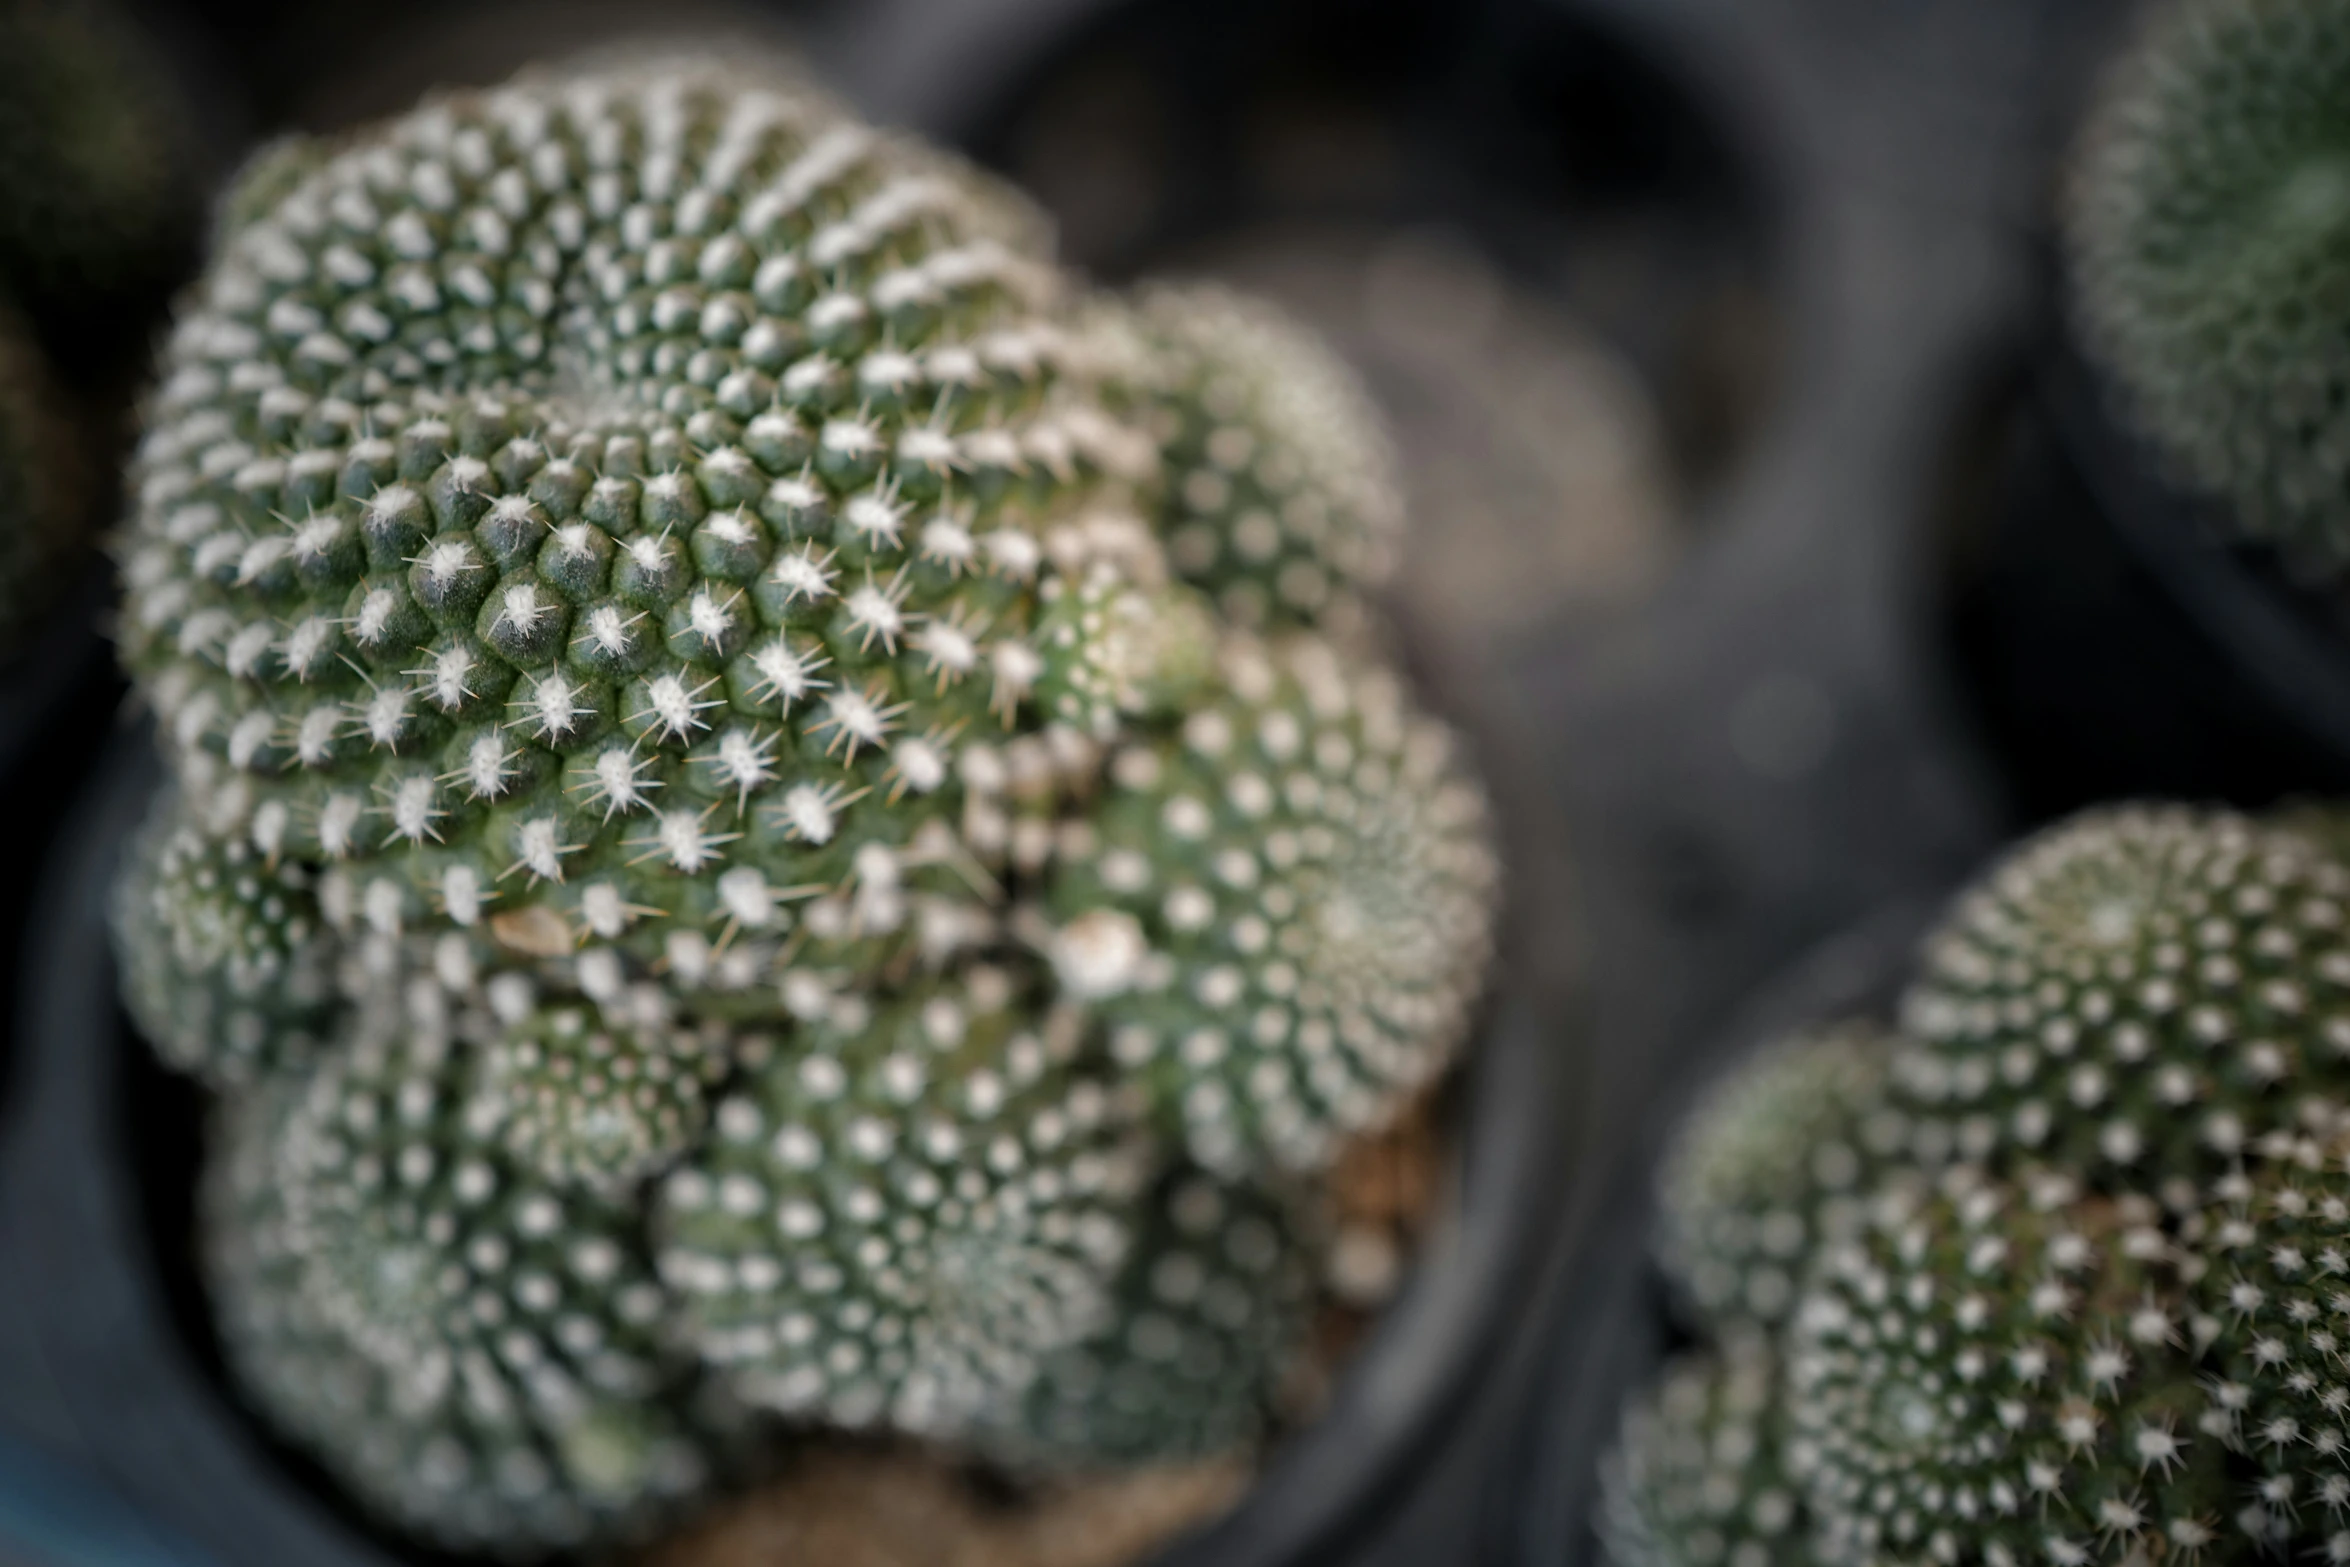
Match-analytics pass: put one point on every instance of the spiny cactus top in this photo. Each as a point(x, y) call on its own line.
point(665, 593)
point(2207, 229)
point(2142, 990)
point(1782, 1157)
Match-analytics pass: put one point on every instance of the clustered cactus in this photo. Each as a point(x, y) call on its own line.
point(774, 815)
point(2074, 1283)
point(2209, 238)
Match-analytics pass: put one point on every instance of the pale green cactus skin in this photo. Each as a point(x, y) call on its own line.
point(1698, 1478)
point(1787, 1154)
point(658, 591)
point(2207, 233)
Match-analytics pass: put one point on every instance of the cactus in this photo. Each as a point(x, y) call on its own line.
point(674, 580)
point(2139, 991)
point(1698, 1478)
point(1782, 1157)
point(1283, 499)
point(2206, 234)
point(2082, 1298)
point(2005, 1377)
point(474, 1349)
point(1205, 1316)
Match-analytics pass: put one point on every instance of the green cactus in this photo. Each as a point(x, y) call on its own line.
point(2138, 993)
point(1205, 1317)
point(674, 580)
point(1783, 1157)
point(2007, 1376)
point(2206, 229)
point(1699, 1477)
point(1280, 913)
point(2275, 1244)
point(475, 1350)
point(1283, 499)
point(227, 967)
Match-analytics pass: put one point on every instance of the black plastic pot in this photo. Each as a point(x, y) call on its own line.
point(1616, 1327)
point(106, 1359)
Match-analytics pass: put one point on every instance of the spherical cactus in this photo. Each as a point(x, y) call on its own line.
point(1786, 1155)
point(1204, 1319)
point(1698, 1475)
point(2141, 992)
point(895, 1224)
point(675, 577)
point(97, 185)
point(2005, 1378)
point(2207, 234)
point(475, 1352)
point(1283, 499)
point(227, 966)
point(1283, 915)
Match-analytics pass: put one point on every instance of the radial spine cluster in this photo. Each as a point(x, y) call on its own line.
point(666, 600)
point(2207, 232)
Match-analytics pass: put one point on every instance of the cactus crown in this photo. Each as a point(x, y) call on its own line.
point(2082, 1300)
point(2207, 235)
point(690, 742)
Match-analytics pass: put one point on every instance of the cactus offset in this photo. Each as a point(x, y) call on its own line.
point(673, 580)
point(2206, 232)
point(1698, 1478)
point(1784, 1156)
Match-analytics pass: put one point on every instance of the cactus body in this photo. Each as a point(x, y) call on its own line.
point(673, 578)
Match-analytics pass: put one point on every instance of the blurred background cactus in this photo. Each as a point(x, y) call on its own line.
point(2207, 230)
point(719, 864)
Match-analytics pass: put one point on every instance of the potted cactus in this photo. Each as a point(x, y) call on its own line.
point(782, 834)
point(2042, 1267)
point(2156, 606)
